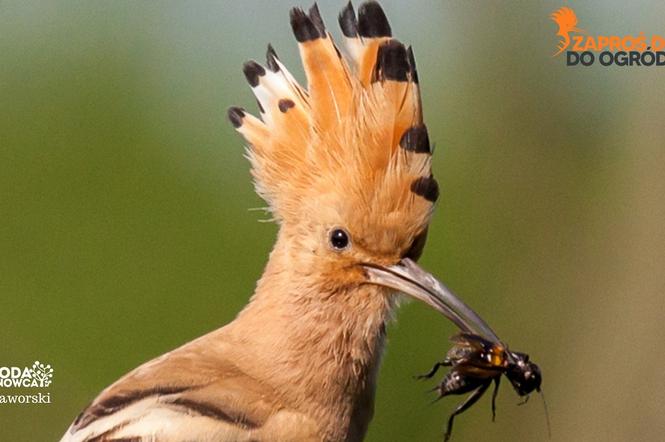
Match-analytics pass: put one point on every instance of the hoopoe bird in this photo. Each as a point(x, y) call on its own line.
point(345, 166)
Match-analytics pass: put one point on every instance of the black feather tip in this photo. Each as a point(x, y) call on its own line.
point(427, 187)
point(303, 27)
point(271, 59)
point(253, 71)
point(416, 249)
point(372, 21)
point(415, 139)
point(412, 65)
point(236, 114)
point(348, 22)
point(392, 62)
point(315, 16)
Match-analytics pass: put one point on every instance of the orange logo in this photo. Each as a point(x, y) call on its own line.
point(566, 20)
point(618, 50)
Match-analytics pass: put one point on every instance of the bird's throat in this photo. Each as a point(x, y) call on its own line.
point(319, 344)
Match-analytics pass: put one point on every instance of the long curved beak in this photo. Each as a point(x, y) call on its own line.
point(409, 278)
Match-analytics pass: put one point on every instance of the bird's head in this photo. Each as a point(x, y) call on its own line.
point(566, 20)
point(345, 164)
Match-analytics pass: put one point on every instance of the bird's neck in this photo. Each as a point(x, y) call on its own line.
point(319, 345)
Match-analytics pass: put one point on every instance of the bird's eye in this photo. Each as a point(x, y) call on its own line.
point(339, 239)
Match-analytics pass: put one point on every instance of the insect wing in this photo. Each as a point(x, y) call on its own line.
point(474, 352)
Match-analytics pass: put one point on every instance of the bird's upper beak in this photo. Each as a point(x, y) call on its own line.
point(409, 278)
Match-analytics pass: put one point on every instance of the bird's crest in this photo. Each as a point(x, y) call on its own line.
point(566, 20)
point(354, 139)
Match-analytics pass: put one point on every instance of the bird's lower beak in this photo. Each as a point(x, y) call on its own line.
point(410, 279)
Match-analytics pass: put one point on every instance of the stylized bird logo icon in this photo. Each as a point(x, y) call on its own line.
point(566, 19)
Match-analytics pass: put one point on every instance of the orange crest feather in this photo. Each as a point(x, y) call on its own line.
point(354, 138)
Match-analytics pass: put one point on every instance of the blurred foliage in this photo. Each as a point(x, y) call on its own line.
point(124, 197)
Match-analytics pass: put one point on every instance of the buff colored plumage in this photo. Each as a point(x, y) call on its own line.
point(349, 157)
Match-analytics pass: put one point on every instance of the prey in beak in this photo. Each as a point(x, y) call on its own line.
point(478, 357)
point(409, 278)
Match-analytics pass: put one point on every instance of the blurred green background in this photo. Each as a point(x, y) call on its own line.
point(124, 197)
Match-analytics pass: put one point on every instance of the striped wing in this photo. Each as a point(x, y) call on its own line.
point(181, 396)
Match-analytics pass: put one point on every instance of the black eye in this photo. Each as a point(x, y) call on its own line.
point(339, 239)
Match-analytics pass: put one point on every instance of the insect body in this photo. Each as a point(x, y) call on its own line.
point(477, 362)
point(478, 357)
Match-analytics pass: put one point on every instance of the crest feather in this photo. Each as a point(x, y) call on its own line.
point(357, 130)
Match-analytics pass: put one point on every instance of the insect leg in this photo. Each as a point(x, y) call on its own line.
point(497, 380)
point(433, 371)
point(468, 402)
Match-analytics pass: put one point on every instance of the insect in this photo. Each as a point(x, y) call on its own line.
point(477, 362)
point(478, 357)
